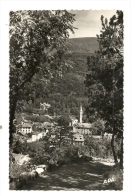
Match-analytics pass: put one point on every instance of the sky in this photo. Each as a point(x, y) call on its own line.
point(88, 22)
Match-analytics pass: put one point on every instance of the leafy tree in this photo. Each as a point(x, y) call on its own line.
point(105, 77)
point(98, 127)
point(37, 43)
point(64, 121)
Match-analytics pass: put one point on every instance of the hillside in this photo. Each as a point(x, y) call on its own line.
point(64, 94)
point(82, 45)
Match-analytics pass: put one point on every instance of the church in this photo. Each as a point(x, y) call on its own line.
point(80, 127)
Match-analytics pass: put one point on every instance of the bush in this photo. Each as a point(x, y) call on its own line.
point(71, 152)
point(16, 170)
point(98, 148)
point(98, 127)
point(20, 147)
point(37, 118)
point(64, 120)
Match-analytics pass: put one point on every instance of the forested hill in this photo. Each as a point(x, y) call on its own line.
point(82, 45)
point(64, 94)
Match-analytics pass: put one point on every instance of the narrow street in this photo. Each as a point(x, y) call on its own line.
point(82, 176)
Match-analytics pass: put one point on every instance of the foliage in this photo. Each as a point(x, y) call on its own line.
point(98, 127)
point(20, 147)
point(82, 45)
point(105, 76)
point(16, 170)
point(97, 148)
point(64, 121)
point(71, 152)
point(37, 118)
point(64, 97)
point(37, 43)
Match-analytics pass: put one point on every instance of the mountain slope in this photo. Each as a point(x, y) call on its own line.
point(83, 45)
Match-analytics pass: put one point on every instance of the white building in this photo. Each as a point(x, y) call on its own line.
point(35, 136)
point(25, 128)
point(78, 139)
point(74, 121)
point(80, 127)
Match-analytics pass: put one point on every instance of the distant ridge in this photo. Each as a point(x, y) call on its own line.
point(83, 45)
point(83, 38)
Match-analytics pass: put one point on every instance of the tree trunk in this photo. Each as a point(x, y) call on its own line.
point(112, 140)
point(121, 156)
point(113, 150)
point(13, 104)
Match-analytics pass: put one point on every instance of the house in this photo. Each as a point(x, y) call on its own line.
point(48, 124)
point(82, 128)
point(74, 121)
point(78, 140)
point(24, 121)
point(25, 128)
point(107, 136)
point(35, 136)
point(44, 106)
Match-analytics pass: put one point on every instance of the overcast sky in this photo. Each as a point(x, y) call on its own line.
point(88, 22)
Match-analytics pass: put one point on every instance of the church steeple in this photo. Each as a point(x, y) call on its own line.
point(81, 113)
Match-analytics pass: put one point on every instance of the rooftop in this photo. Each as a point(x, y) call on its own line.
point(36, 133)
point(84, 125)
point(25, 125)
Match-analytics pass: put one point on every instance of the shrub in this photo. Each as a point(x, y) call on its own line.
point(38, 118)
point(98, 148)
point(71, 152)
point(16, 170)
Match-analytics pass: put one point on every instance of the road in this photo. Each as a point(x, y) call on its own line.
point(75, 176)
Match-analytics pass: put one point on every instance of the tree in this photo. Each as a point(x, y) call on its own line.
point(98, 127)
point(105, 77)
point(64, 121)
point(37, 43)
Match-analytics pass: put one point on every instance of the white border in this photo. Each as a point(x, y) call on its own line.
point(5, 7)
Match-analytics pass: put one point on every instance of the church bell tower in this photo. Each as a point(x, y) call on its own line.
point(81, 113)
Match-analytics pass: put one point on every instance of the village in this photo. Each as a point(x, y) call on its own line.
point(75, 135)
point(76, 128)
point(66, 100)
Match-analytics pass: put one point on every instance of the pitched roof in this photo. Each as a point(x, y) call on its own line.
point(84, 125)
point(26, 125)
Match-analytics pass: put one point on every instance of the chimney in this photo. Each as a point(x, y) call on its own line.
point(81, 112)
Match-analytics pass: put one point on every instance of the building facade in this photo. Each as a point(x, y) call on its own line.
point(25, 128)
point(78, 140)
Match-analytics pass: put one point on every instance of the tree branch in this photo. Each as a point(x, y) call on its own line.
point(25, 81)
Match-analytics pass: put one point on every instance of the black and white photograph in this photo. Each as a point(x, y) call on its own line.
point(66, 99)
